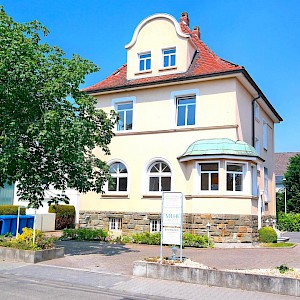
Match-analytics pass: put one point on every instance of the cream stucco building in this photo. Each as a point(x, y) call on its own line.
point(190, 122)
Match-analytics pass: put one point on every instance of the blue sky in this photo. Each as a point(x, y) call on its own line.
point(261, 35)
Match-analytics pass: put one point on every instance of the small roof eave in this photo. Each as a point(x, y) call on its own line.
point(255, 159)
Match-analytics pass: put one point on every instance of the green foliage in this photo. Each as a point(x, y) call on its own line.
point(65, 216)
point(267, 235)
point(126, 239)
point(279, 245)
point(193, 240)
point(292, 184)
point(146, 238)
point(48, 126)
point(288, 222)
point(84, 234)
point(11, 210)
point(24, 241)
point(283, 269)
point(280, 201)
point(189, 240)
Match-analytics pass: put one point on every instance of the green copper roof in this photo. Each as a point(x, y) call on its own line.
point(221, 147)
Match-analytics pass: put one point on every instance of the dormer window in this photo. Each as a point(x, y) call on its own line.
point(145, 61)
point(169, 57)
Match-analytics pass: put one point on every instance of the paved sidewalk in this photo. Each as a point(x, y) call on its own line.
point(127, 287)
point(118, 259)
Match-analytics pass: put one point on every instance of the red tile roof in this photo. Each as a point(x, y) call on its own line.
point(205, 62)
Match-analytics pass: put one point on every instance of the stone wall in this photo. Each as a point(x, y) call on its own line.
point(223, 228)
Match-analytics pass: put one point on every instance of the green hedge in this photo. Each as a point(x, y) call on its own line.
point(188, 239)
point(11, 210)
point(267, 235)
point(65, 216)
point(288, 222)
point(84, 234)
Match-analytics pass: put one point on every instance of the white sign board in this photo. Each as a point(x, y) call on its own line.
point(172, 212)
point(171, 236)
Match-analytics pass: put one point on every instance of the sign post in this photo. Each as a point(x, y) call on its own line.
point(172, 217)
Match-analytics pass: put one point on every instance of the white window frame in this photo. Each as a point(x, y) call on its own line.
point(169, 56)
point(265, 134)
point(160, 175)
point(116, 223)
point(244, 188)
point(116, 101)
point(145, 61)
point(209, 172)
point(180, 94)
point(125, 115)
point(118, 175)
point(266, 185)
point(155, 225)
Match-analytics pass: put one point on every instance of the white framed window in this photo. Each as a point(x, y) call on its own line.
point(234, 177)
point(265, 134)
point(257, 146)
point(155, 226)
point(209, 176)
point(125, 111)
point(145, 61)
point(159, 177)
point(266, 184)
point(115, 223)
point(125, 108)
point(119, 177)
point(186, 110)
point(169, 57)
point(256, 111)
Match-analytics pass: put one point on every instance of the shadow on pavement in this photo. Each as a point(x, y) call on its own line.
point(85, 248)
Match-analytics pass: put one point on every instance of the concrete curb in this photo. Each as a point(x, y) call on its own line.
point(30, 256)
point(234, 280)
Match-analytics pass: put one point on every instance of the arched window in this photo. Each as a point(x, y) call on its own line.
point(159, 174)
point(119, 180)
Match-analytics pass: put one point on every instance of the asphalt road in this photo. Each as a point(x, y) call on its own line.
point(294, 237)
point(38, 282)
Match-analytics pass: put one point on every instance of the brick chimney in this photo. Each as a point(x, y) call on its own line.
point(185, 18)
point(196, 31)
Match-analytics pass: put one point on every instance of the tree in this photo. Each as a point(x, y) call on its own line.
point(280, 201)
point(292, 184)
point(48, 126)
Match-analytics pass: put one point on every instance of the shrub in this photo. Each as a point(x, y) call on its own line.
point(267, 235)
point(25, 241)
point(288, 222)
point(11, 210)
point(193, 240)
point(189, 240)
point(65, 216)
point(84, 234)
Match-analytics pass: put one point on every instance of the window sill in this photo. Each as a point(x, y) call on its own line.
point(143, 72)
point(115, 196)
point(154, 196)
point(167, 68)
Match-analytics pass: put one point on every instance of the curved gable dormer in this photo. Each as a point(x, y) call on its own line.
point(158, 47)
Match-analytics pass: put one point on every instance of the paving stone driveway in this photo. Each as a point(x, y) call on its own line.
point(115, 258)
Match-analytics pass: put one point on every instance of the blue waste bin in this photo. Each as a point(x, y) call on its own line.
point(30, 221)
point(22, 223)
point(7, 221)
point(13, 225)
